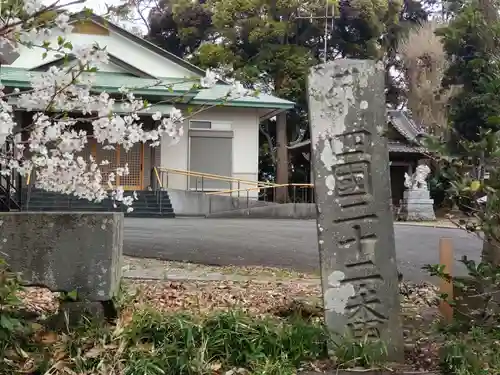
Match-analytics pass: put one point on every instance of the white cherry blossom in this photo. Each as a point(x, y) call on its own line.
point(32, 6)
point(238, 90)
point(62, 23)
point(54, 141)
point(209, 80)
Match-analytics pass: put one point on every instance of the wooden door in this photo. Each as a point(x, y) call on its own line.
point(118, 158)
point(135, 159)
point(88, 150)
point(111, 156)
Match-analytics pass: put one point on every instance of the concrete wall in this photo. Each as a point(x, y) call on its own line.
point(191, 203)
point(244, 123)
point(304, 211)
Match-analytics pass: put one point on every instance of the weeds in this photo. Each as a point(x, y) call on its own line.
point(190, 345)
point(149, 342)
point(475, 353)
point(366, 353)
point(472, 341)
point(13, 328)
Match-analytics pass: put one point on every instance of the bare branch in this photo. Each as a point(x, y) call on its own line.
point(269, 139)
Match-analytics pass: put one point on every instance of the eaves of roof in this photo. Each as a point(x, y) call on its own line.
point(85, 15)
point(160, 89)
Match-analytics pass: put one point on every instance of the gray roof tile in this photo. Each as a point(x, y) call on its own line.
point(405, 125)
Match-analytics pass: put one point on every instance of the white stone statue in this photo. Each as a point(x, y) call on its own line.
point(418, 181)
point(408, 181)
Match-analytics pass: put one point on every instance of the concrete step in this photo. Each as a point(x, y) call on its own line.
point(65, 208)
point(98, 206)
point(135, 213)
point(164, 215)
point(147, 204)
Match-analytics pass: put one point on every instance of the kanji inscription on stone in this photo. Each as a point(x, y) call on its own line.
point(352, 187)
point(352, 179)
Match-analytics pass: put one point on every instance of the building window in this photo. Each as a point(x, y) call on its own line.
point(200, 124)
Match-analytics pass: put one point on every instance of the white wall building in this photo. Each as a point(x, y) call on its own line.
point(223, 140)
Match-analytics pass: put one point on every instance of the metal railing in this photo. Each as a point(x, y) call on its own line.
point(163, 176)
point(295, 193)
point(237, 188)
point(11, 191)
point(266, 191)
point(29, 185)
point(11, 194)
point(158, 187)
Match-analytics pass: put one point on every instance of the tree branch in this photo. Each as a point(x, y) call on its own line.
point(269, 139)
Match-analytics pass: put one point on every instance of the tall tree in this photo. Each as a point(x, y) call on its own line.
point(181, 26)
point(472, 44)
point(265, 43)
point(271, 44)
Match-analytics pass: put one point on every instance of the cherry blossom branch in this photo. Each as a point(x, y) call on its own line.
point(38, 13)
point(54, 142)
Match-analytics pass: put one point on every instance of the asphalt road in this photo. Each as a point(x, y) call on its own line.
point(282, 243)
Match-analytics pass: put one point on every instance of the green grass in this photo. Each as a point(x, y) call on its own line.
point(476, 352)
point(151, 343)
point(148, 342)
point(188, 345)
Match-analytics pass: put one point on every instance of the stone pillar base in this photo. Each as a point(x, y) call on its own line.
point(67, 252)
point(417, 206)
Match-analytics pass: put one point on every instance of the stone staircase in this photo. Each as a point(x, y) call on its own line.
point(149, 204)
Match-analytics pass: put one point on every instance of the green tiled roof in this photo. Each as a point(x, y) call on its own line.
point(110, 82)
point(219, 92)
point(155, 88)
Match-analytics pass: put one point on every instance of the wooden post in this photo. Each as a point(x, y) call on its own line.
point(446, 287)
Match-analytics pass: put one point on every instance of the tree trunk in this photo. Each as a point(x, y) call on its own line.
point(282, 158)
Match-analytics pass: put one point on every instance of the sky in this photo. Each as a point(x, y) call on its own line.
point(99, 6)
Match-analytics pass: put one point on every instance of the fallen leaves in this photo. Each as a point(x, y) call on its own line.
point(203, 297)
point(94, 352)
point(422, 294)
point(48, 338)
point(216, 366)
point(27, 367)
point(39, 300)
point(236, 371)
point(257, 297)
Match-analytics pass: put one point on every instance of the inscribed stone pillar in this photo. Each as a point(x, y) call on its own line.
point(352, 186)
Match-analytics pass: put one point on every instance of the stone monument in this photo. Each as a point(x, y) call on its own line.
point(352, 186)
point(67, 252)
point(417, 204)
